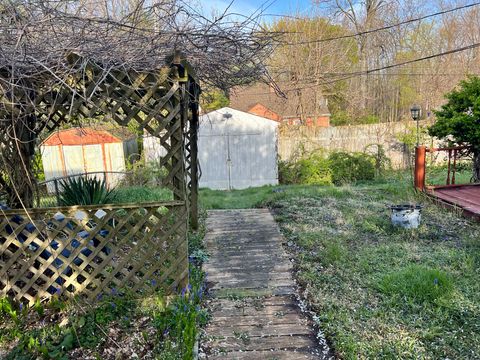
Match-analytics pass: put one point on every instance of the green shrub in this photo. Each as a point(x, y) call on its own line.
point(286, 172)
point(144, 173)
point(141, 194)
point(340, 118)
point(368, 119)
point(339, 168)
point(314, 170)
point(382, 161)
point(351, 167)
point(85, 191)
point(311, 170)
point(417, 283)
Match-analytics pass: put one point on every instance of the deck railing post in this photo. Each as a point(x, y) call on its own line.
point(449, 165)
point(419, 176)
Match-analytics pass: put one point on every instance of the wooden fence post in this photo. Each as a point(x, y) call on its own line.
point(419, 176)
point(194, 125)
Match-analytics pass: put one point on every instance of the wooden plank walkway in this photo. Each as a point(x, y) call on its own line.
point(254, 311)
point(465, 197)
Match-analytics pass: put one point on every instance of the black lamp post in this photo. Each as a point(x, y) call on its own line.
point(416, 111)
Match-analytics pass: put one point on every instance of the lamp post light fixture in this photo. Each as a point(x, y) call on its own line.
point(416, 111)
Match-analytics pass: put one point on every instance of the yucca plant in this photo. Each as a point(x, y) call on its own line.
point(85, 191)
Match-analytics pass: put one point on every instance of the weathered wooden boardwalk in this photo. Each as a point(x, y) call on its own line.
point(254, 311)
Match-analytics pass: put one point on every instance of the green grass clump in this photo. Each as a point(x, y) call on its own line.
point(417, 283)
point(334, 252)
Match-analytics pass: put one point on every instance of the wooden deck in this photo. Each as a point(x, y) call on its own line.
point(255, 314)
point(463, 197)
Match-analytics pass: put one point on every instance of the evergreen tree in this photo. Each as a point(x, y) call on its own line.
point(459, 118)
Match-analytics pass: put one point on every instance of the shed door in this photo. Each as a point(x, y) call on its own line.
point(237, 161)
point(73, 158)
point(94, 161)
point(213, 162)
point(242, 151)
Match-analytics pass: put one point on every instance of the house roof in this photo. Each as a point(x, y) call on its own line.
point(296, 104)
point(80, 136)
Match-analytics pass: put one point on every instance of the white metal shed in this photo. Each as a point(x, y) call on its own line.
point(237, 150)
point(86, 150)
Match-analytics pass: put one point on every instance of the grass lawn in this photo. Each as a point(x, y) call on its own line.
point(378, 291)
point(438, 175)
point(142, 194)
point(125, 194)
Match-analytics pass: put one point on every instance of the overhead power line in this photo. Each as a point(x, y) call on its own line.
point(350, 75)
point(449, 52)
point(387, 27)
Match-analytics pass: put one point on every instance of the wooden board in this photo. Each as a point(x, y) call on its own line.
point(254, 311)
point(466, 198)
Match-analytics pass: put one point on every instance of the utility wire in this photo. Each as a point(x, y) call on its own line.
point(449, 52)
point(346, 76)
point(387, 27)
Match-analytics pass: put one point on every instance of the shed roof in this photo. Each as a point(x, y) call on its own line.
point(80, 136)
point(227, 113)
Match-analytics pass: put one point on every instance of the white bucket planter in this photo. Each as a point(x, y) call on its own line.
point(406, 216)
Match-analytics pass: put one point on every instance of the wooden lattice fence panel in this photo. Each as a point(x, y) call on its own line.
point(142, 247)
point(91, 250)
point(153, 101)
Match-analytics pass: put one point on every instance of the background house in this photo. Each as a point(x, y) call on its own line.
point(237, 150)
point(86, 150)
point(298, 107)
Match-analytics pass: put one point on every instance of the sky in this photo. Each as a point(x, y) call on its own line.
point(247, 7)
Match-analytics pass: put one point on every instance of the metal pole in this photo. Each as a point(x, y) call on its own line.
point(418, 132)
point(57, 194)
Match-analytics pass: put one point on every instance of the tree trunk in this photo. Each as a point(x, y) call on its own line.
point(17, 177)
point(476, 165)
point(21, 192)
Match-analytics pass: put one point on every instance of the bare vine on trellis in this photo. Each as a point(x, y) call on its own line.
point(75, 50)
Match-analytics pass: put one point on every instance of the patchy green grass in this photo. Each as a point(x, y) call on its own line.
point(257, 197)
point(141, 194)
point(379, 291)
point(438, 175)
